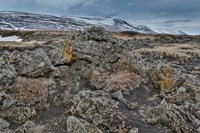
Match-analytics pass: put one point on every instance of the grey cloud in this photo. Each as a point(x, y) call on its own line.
point(130, 4)
point(177, 21)
point(64, 4)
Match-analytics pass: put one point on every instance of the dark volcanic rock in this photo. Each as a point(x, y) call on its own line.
point(7, 73)
point(32, 63)
point(20, 114)
point(3, 124)
point(97, 107)
point(96, 34)
point(74, 125)
point(138, 83)
point(6, 100)
point(27, 127)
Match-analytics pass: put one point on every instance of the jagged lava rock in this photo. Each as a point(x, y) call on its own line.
point(3, 124)
point(97, 107)
point(7, 72)
point(32, 63)
point(20, 114)
point(75, 125)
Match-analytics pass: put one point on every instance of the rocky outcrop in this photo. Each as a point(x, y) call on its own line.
point(97, 107)
point(7, 72)
point(3, 124)
point(110, 85)
point(74, 125)
point(97, 34)
point(31, 63)
point(27, 127)
point(20, 114)
point(6, 100)
point(168, 115)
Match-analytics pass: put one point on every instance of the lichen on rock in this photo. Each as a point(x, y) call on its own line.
point(168, 115)
point(7, 73)
point(33, 63)
point(19, 115)
point(75, 125)
point(3, 124)
point(98, 108)
point(6, 100)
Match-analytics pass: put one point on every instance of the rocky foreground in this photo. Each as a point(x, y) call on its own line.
point(113, 84)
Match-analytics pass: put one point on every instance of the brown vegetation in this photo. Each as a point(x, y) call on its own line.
point(118, 81)
point(31, 91)
point(67, 51)
point(162, 78)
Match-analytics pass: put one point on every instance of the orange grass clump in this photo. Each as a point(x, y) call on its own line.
point(162, 78)
point(167, 72)
point(166, 83)
point(67, 52)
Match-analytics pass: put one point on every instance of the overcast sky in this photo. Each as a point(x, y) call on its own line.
point(166, 14)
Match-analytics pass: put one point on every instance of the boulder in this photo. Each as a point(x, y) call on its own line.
point(97, 107)
point(6, 101)
point(19, 115)
point(32, 63)
point(75, 125)
point(27, 127)
point(3, 124)
point(7, 73)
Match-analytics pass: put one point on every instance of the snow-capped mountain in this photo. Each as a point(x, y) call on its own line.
point(12, 20)
point(112, 24)
point(167, 31)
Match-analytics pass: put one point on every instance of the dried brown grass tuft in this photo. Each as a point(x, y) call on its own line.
point(31, 91)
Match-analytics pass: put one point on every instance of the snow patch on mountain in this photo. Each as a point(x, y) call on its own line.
point(167, 31)
point(11, 20)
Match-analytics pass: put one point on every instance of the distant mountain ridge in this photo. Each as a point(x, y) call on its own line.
point(14, 20)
